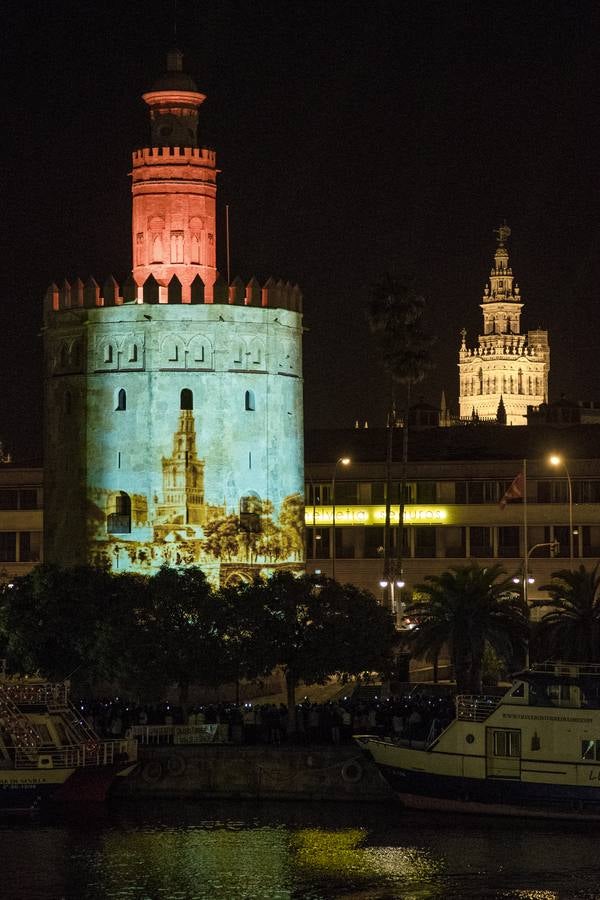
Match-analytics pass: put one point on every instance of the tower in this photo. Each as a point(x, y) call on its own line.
point(507, 370)
point(173, 402)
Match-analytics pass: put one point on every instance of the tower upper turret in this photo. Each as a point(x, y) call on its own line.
point(174, 100)
point(174, 189)
point(501, 302)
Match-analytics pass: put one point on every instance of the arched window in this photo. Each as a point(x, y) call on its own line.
point(64, 357)
point(508, 326)
point(157, 248)
point(480, 380)
point(195, 250)
point(250, 510)
point(118, 520)
point(186, 399)
point(250, 403)
point(520, 382)
point(121, 400)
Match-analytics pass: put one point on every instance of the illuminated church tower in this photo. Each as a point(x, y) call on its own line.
point(173, 402)
point(507, 371)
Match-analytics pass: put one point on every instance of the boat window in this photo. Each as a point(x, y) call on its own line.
point(590, 750)
point(507, 743)
point(519, 691)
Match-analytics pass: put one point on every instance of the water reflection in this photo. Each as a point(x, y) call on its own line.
point(294, 852)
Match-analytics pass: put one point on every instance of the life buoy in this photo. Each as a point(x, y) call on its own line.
point(352, 771)
point(176, 764)
point(152, 771)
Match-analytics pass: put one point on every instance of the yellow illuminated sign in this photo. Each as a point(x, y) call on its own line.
point(375, 515)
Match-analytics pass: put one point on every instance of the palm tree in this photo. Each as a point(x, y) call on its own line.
point(465, 609)
point(571, 627)
point(395, 314)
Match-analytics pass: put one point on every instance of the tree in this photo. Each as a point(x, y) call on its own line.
point(467, 608)
point(314, 627)
point(181, 630)
point(66, 622)
point(395, 314)
point(571, 627)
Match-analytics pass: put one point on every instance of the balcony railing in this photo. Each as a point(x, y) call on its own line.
point(475, 708)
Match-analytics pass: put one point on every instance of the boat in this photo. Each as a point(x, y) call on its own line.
point(535, 751)
point(49, 753)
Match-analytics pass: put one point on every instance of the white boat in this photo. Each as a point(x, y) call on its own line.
point(534, 751)
point(48, 752)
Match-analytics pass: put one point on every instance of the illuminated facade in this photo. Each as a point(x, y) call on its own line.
point(456, 479)
point(173, 402)
point(506, 369)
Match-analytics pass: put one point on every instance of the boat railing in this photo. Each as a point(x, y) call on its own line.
point(90, 753)
point(475, 707)
point(574, 669)
point(180, 734)
point(38, 693)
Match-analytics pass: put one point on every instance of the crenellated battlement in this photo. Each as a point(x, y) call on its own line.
point(183, 155)
point(90, 295)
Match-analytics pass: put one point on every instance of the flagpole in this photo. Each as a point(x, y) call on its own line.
point(525, 567)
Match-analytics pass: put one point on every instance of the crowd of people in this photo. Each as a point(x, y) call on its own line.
point(416, 716)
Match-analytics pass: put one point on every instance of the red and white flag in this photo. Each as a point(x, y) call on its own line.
point(514, 492)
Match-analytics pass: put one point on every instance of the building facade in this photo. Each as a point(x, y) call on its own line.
point(456, 480)
point(507, 370)
point(173, 402)
point(21, 520)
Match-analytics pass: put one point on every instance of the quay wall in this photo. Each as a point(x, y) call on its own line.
point(254, 772)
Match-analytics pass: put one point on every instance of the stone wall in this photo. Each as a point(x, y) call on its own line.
point(261, 772)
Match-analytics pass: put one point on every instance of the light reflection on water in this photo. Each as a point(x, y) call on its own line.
point(285, 851)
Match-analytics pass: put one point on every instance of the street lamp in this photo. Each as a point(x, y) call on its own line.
point(556, 460)
point(392, 584)
point(344, 461)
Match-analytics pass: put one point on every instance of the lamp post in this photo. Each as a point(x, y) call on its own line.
point(392, 584)
point(556, 460)
point(344, 461)
point(527, 580)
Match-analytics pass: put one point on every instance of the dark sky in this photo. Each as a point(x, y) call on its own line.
point(352, 137)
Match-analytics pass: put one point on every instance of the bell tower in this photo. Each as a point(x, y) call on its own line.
point(506, 371)
point(174, 189)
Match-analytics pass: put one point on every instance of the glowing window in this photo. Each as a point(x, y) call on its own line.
point(250, 510)
point(186, 400)
point(118, 520)
point(121, 400)
point(250, 403)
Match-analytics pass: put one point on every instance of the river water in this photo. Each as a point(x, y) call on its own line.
point(276, 851)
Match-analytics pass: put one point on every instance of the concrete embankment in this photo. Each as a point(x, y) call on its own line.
point(254, 772)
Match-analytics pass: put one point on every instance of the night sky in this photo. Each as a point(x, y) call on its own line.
point(353, 138)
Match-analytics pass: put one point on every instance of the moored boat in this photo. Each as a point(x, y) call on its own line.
point(48, 752)
point(534, 751)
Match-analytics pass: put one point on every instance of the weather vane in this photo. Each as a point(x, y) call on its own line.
point(503, 233)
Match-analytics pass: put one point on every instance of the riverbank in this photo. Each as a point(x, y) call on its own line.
point(226, 771)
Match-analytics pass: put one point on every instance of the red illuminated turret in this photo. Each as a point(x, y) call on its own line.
point(174, 189)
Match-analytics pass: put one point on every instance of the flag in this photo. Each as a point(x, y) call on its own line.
point(514, 492)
